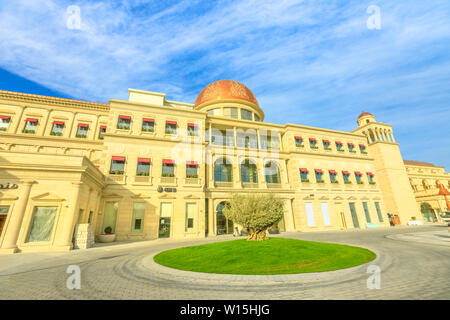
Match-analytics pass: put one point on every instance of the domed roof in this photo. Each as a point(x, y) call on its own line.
point(225, 89)
point(364, 113)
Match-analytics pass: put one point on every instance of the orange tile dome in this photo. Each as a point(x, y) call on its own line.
point(364, 113)
point(225, 89)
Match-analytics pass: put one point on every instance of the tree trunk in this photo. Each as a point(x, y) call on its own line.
point(256, 235)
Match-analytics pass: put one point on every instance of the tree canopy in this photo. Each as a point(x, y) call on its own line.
point(256, 212)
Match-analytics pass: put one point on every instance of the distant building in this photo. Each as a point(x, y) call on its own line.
point(149, 168)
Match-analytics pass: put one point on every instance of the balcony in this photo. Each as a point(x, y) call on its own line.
point(117, 178)
point(143, 180)
point(168, 180)
point(195, 182)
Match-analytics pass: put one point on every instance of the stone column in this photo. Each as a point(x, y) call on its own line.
point(9, 244)
point(70, 216)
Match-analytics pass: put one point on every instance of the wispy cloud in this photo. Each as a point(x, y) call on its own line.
point(308, 62)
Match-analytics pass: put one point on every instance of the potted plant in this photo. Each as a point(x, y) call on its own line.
point(108, 236)
point(274, 230)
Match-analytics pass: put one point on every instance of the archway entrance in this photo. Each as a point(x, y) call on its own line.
point(427, 212)
point(223, 225)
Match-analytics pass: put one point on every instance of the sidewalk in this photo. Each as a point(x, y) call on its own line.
point(441, 237)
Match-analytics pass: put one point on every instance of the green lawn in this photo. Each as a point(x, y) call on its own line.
point(274, 256)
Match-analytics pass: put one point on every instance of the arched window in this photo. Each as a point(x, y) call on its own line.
point(272, 172)
point(249, 172)
point(223, 225)
point(223, 172)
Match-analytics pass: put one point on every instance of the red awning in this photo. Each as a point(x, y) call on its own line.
point(318, 171)
point(303, 170)
point(312, 139)
point(351, 144)
point(5, 117)
point(326, 141)
point(118, 159)
point(125, 117)
point(370, 174)
point(144, 160)
point(83, 125)
point(362, 146)
point(192, 163)
point(192, 125)
point(148, 120)
point(346, 172)
point(103, 127)
point(168, 162)
point(338, 142)
point(358, 173)
point(58, 122)
point(332, 172)
point(31, 120)
point(171, 122)
point(298, 138)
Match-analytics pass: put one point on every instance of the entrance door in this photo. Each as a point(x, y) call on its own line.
point(224, 226)
point(165, 217)
point(3, 214)
point(354, 215)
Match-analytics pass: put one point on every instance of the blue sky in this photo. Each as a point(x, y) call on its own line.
point(308, 62)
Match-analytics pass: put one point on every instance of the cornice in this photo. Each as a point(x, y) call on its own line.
point(34, 98)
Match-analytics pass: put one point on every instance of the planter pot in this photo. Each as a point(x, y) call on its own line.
point(106, 238)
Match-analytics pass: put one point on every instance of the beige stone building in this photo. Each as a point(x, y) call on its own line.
point(426, 181)
point(147, 167)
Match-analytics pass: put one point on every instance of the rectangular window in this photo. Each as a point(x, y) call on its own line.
point(30, 125)
point(110, 215)
point(191, 209)
point(4, 122)
point(247, 140)
point(57, 129)
point(339, 146)
point(168, 168)
point(42, 222)
point(246, 115)
point(124, 122)
point(191, 170)
point(148, 125)
point(101, 132)
point(143, 167)
point(231, 113)
point(137, 222)
point(377, 206)
point(333, 175)
point(358, 176)
point(298, 142)
point(370, 177)
point(256, 117)
point(309, 214)
point(313, 143)
point(351, 146)
point(117, 165)
point(304, 175)
point(326, 215)
point(326, 144)
point(354, 215)
point(192, 129)
point(3, 215)
point(171, 127)
point(319, 174)
point(82, 130)
point(346, 176)
point(164, 220)
point(366, 212)
point(362, 148)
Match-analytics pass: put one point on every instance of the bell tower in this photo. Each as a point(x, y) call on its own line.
point(389, 168)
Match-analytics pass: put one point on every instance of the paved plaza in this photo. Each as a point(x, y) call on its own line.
point(414, 263)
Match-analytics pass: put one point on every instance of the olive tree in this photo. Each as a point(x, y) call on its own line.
point(256, 212)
